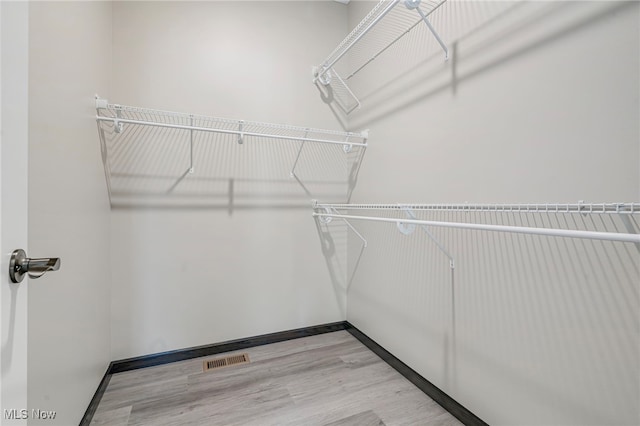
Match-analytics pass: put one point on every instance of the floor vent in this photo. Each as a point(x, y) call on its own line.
point(226, 361)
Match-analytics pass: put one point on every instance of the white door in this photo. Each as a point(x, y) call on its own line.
point(13, 207)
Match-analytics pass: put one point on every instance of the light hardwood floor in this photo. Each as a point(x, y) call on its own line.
point(330, 380)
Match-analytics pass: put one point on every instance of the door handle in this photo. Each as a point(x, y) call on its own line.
point(21, 265)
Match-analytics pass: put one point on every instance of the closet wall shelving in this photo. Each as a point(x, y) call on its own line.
point(368, 40)
point(170, 155)
point(326, 212)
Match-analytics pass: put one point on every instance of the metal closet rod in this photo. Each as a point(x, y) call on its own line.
point(580, 207)
point(225, 131)
point(566, 233)
point(117, 118)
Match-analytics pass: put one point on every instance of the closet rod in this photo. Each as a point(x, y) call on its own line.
point(609, 236)
point(582, 208)
point(230, 132)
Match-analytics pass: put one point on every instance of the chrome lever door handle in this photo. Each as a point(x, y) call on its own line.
point(21, 265)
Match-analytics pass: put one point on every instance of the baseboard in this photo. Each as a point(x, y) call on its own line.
point(448, 403)
point(432, 391)
point(232, 345)
point(95, 401)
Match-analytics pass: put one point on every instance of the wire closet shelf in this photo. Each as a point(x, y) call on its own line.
point(154, 152)
point(366, 43)
point(326, 212)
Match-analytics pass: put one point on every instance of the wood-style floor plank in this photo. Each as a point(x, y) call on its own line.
point(366, 418)
point(325, 380)
point(116, 417)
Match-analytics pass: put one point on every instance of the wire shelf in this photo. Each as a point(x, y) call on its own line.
point(581, 208)
point(368, 40)
point(179, 158)
point(408, 220)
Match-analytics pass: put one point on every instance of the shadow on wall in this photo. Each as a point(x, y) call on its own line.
point(481, 37)
point(8, 345)
point(339, 107)
point(333, 236)
point(174, 168)
point(333, 243)
point(550, 319)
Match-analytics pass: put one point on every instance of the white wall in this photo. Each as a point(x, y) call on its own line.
point(544, 96)
point(542, 107)
point(69, 322)
point(193, 275)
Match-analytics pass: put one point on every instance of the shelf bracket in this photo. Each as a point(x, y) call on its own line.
point(327, 219)
point(118, 126)
point(101, 103)
point(346, 87)
point(323, 75)
point(191, 145)
point(409, 228)
point(295, 163)
point(411, 215)
point(240, 134)
point(355, 231)
point(190, 169)
point(347, 147)
point(415, 4)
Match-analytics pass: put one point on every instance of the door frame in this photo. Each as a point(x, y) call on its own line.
point(14, 151)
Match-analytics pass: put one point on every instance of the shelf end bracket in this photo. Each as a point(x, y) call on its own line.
point(415, 4)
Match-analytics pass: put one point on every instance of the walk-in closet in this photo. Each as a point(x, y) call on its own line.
point(332, 212)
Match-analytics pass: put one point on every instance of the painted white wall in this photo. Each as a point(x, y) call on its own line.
point(69, 319)
point(546, 327)
point(544, 108)
point(190, 275)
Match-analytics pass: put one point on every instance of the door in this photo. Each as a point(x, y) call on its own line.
point(13, 208)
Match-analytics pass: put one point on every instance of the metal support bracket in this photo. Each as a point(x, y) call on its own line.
point(327, 219)
point(191, 145)
point(323, 75)
point(101, 103)
point(347, 147)
point(415, 4)
point(355, 231)
point(118, 126)
point(190, 169)
point(240, 135)
point(346, 87)
point(295, 163)
point(409, 228)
